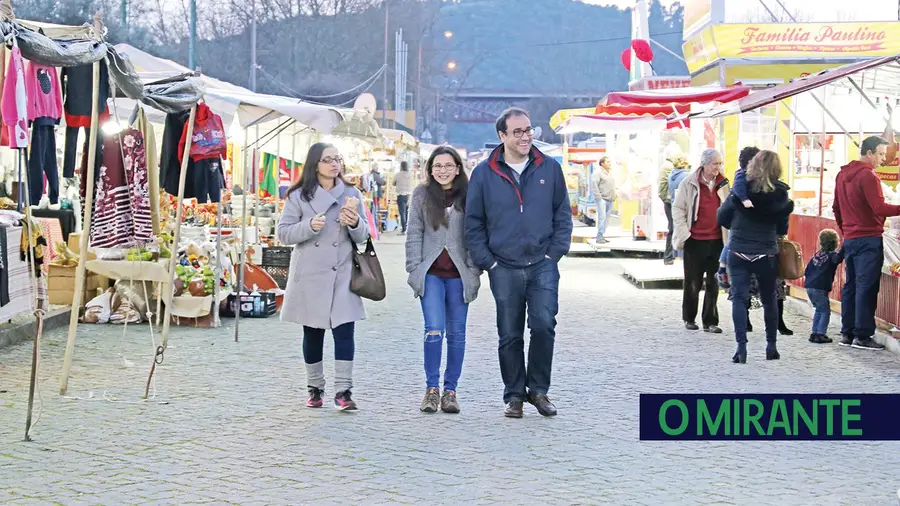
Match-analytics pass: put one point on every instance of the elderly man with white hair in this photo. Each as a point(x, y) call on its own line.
point(697, 233)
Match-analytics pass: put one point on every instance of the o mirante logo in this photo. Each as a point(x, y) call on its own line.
point(869, 417)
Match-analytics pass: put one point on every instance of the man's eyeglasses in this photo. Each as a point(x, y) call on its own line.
point(518, 133)
point(448, 167)
point(332, 159)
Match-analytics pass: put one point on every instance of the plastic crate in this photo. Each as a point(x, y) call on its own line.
point(252, 306)
point(276, 256)
point(279, 274)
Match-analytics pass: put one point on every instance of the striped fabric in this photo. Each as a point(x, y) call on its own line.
point(122, 216)
point(21, 291)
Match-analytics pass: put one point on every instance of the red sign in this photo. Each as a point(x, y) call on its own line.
point(660, 83)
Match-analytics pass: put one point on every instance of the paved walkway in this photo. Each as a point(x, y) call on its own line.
point(227, 423)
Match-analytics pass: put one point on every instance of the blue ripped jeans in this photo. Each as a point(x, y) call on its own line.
point(445, 315)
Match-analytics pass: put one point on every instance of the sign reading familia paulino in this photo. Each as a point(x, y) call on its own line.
point(866, 417)
point(812, 38)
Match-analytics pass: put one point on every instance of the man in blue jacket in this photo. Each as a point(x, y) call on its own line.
point(518, 226)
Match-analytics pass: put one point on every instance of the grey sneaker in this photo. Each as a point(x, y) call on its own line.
point(431, 401)
point(449, 404)
point(866, 343)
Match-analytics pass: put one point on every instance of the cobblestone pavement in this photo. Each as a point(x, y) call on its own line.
point(227, 423)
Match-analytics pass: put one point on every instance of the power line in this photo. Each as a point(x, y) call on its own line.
point(547, 44)
point(358, 86)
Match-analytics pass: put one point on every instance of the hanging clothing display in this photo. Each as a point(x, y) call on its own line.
point(44, 94)
point(169, 159)
point(143, 125)
point(82, 168)
point(236, 165)
point(121, 216)
point(32, 235)
point(77, 89)
point(14, 101)
point(208, 137)
point(4, 270)
point(208, 181)
point(42, 161)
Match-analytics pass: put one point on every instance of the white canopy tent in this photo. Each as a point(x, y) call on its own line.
point(251, 109)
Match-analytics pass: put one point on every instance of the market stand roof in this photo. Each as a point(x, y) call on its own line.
point(885, 69)
point(251, 108)
point(666, 101)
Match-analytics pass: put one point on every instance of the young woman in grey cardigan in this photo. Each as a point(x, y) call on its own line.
point(441, 273)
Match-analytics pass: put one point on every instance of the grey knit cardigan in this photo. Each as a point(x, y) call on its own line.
point(424, 245)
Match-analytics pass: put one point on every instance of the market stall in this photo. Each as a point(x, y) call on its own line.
point(633, 120)
point(830, 112)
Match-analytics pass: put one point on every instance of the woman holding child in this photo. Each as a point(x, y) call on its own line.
point(755, 231)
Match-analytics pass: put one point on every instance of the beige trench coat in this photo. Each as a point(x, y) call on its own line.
point(686, 206)
point(318, 290)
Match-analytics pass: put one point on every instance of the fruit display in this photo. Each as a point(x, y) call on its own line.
point(141, 255)
point(198, 278)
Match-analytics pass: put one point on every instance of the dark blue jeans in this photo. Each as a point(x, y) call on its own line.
point(863, 258)
point(445, 315)
point(531, 291)
point(822, 316)
point(402, 208)
point(766, 270)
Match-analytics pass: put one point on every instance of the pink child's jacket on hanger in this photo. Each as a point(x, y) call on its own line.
point(14, 101)
point(44, 94)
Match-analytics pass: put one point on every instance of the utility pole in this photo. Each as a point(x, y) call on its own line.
point(384, 81)
point(123, 9)
point(192, 45)
point(253, 49)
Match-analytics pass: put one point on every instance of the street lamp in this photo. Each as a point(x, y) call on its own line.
point(448, 34)
point(451, 65)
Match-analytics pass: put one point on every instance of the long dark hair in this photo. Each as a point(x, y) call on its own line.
point(309, 177)
point(434, 196)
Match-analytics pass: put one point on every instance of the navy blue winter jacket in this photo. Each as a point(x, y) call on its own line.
point(517, 224)
point(755, 230)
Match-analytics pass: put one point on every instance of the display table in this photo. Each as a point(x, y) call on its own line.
point(131, 270)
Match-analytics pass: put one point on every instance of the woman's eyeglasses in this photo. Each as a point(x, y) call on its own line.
point(449, 167)
point(332, 159)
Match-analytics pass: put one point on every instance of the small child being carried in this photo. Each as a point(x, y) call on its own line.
point(742, 193)
point(820, 273)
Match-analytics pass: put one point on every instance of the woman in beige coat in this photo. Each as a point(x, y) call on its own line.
point(322, 218)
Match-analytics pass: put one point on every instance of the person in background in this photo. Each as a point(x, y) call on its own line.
point(753, 244)
point(322, 219)
point(521, 253)
point(403, 183)
point(605, 194)
point(673, 153)
point(377, 182)
point(441, 272)
point(860, 210)
point(819, 280)
point(698, 234)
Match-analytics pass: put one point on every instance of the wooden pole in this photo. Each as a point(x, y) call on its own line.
point(86, 228)
point(38, 310)
point(248, 166)
point(218, 272)
point(179, 210)
point(278, 185)
point(255, 183)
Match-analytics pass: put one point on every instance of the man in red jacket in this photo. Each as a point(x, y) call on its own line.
point(860, 211)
